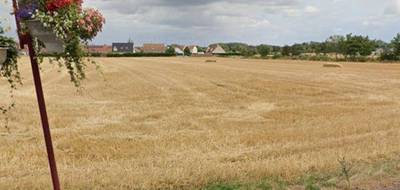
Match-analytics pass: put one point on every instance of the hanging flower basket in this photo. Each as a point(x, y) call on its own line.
point(36, 29)
point(61, 28)
point(51, 43)
point(3, 56)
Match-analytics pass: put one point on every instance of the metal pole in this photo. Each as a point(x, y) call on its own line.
point(23, 40)
point(27, 39)
point(43, 115)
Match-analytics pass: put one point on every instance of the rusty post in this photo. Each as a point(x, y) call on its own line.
point(27, 39)
point(43, 116)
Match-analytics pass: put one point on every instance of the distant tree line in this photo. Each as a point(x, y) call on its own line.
point(347, 48)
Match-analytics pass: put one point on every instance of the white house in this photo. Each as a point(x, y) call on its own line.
point(215, 49)
point(193, 49)
point(178, 50)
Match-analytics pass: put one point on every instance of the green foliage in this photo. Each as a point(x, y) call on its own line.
point(63, 26)
point(311, 184)
point(75, 27)
point(223, 187)
point(392, 50)
point(286, 51)
point(9, 71)
point(395, 44)
point(239, 49)
point(235, 47)
point(170, 51)
point(251, 51)
point(389, 56)
point(274, 183)
point(334, 44)
point(264, 186)
point(187, 52)
point(297, 49)
point(201, 49)
point(229, 54)
point(263, 50)
point(354, 45)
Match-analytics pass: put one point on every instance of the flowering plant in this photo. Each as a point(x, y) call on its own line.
point(9, 70)
point(55, 5)
point(27, 11)
point(90, 24)
point(71, 24)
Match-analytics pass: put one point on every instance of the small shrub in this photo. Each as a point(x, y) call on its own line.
point(311, 184)
point(389, 56)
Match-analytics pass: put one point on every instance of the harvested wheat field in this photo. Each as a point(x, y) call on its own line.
point(184, 123)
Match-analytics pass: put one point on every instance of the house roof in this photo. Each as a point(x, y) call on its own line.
point(212, 49)
point(182, 47)
point(99, 48)
point(138, 48)
point(154, 48)
point(122, 47)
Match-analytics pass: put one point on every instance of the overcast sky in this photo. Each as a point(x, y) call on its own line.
point(251, 21)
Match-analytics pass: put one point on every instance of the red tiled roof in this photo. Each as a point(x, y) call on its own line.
point(154, 48)
point(100, 48)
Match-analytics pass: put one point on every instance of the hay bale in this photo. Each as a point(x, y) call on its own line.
point(333, 65)
point(211, 61)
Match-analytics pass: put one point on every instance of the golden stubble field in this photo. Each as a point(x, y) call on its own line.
point(181, 123)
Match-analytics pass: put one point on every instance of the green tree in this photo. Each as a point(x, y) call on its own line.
point(395, 44)
point(392, 51)
point(276, 50)
point(263, 50)
point(170, 50)
point(187, 52)
point(358, 45)
point(354, 46)
point(248, 52)
point(286, 50)
point(335, 44)
point(201, 49)
point(297, 49)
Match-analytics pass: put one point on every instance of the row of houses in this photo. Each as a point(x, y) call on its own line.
point(129, 47)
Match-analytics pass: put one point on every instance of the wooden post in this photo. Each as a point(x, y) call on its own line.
point(26, 39)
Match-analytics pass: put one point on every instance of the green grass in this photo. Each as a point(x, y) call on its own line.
point(267, 184)
point(386, 168)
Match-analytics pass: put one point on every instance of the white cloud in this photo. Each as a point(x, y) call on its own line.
point(393, 7)
point(251, 21)
point(311, 9)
